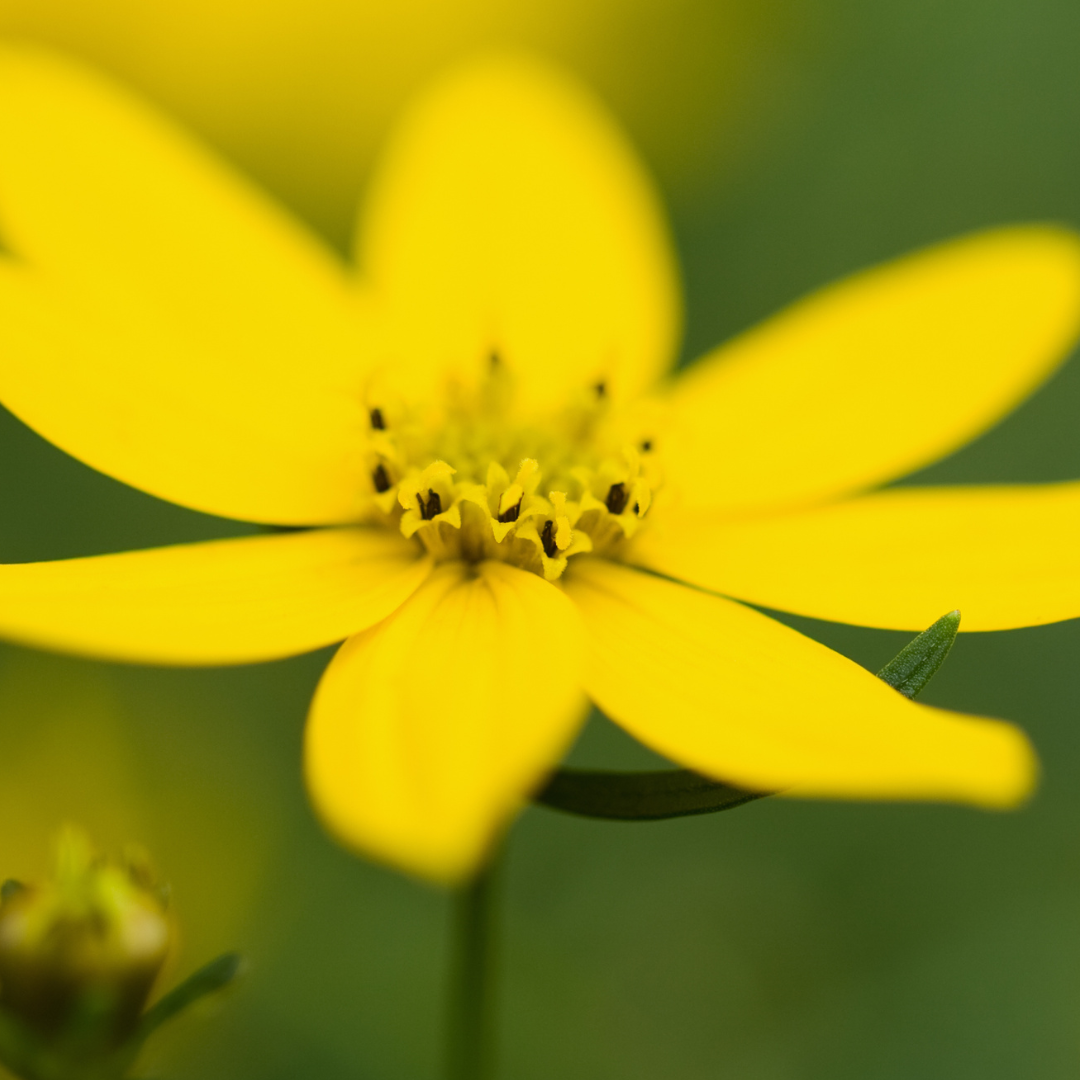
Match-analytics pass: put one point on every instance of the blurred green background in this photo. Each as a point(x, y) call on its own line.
point(795, 141)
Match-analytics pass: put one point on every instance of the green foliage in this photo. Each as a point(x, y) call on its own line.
point(917, 662)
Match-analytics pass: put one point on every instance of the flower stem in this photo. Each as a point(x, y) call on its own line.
point(472, 992)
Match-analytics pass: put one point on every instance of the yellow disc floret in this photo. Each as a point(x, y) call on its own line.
point(475, 478)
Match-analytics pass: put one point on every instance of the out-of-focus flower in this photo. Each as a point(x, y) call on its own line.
point(80, 953)
point(79, 956)
point(514, 508)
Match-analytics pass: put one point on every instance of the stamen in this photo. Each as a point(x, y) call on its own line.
point(455, 489)
point(616, 498)
point(431, 507)
point(511, 512)
point(547, 538)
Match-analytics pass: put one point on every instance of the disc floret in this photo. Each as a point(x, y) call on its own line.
point(476, 481)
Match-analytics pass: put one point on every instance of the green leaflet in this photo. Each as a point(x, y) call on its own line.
point(918, 661)
point(639, 796)
point(207, 980)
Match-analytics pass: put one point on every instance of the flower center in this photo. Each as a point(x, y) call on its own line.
point(475, 477)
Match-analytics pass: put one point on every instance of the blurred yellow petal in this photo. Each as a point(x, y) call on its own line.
point(1005, 556)
point(510, 215)
point(305, 91)
point(427, 730)
point(877, 375)
point(734, 694)
point(222, 602)
point(165, 322)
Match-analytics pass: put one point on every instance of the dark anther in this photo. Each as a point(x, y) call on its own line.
point(547, 538)
point(646, 445)
point(377, 421)
point(511, 512)
point(616, 498)
point(494, 359)
point(637, 509)
point(600, 388)
point(431, 507)
point(380, 479)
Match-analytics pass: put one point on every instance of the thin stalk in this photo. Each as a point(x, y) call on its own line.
point(470, 1046)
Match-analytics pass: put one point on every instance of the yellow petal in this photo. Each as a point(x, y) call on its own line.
point(164, 322)
point(511, 215)
point(1006, 556)
point(877, 375)
point(427, 730)
point(734, 694)
point(222, 602)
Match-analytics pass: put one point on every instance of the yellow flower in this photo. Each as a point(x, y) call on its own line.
point(508, 492)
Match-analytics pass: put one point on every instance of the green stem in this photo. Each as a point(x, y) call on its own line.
point(470, 1049)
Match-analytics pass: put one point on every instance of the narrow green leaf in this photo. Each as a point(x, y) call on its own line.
point(639, 796)
point(214, 976)
point(918, 661)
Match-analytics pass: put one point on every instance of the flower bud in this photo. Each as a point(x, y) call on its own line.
point(79, 955)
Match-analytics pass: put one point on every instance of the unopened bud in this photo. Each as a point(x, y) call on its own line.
point(79, 955)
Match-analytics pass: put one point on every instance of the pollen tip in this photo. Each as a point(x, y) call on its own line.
point(378, 422)
point(380, 479)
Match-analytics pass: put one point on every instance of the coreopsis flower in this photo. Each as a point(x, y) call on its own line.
point(509, 506)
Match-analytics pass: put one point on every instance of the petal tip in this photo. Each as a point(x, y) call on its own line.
point(449, 863)
point(1018, 772)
